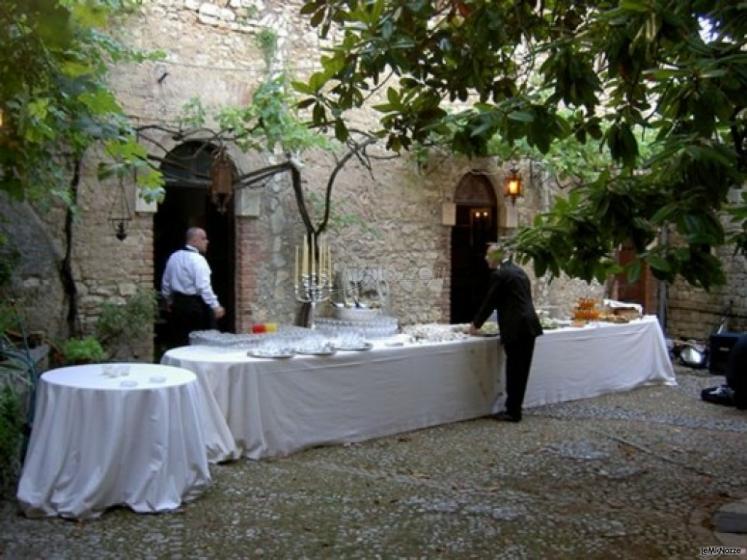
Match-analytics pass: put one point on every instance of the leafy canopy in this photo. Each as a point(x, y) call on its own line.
point(537, 73)
point(54, 100)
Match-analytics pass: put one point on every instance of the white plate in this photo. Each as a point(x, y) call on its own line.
point(321, 353)
point(260, 354)
point(361, 348)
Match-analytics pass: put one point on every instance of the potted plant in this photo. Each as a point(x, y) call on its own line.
point(84, 350)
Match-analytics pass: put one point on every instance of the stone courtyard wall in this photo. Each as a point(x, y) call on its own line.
point(36, 285)
point(696, 313)
point(389, 217)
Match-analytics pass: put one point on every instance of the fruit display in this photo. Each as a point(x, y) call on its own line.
point(586, 310)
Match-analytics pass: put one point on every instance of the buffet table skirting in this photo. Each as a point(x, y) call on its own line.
point(96, 443)
point(275, 407)
point(577, 363)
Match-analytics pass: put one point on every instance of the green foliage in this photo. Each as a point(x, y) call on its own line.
point(267, 41)
point(545, 77)
point(8, 319)
point(54, 98)
point(269, 122)
point(82, 350)
point(9, 257)
point(11, 437)
point(193, 114)
point(118, 324)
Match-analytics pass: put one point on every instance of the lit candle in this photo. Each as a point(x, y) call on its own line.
point(323, 257)
point(305, 259)
point(326, 264)
point(329, 262)
point(311, 257)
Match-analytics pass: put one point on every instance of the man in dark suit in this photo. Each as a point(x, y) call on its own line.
point(510, 294)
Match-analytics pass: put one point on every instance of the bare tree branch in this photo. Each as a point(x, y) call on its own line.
point(331, 181)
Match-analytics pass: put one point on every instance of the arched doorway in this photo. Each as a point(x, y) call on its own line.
point(476, 226)
point(642, 291)
point(187, 204)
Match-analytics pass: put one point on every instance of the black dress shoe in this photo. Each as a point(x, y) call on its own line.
point(505, 416)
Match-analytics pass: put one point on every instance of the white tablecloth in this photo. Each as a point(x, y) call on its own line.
point(96, 443)
point(576, 363)
point(276, 407)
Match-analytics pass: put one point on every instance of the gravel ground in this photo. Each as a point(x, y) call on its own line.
point(628, 475)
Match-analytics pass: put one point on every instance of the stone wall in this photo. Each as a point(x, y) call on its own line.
point(36, 285)
point(695, 313)
point(108, 270)
point(390, 216)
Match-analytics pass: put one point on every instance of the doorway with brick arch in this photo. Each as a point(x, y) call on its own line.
point(476, 226)
point(187, 203)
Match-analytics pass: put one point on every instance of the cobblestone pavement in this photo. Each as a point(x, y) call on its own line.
point(629, 475)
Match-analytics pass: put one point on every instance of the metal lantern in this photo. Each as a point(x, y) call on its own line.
point(119, 215)
point(512, 185)
point(222, 177)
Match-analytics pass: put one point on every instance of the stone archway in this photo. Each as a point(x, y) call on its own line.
point(186, 169)
point(476, 226)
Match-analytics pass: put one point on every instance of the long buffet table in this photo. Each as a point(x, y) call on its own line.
point(266, 407)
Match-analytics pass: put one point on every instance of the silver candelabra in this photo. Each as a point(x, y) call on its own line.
point(313, 273)
point(313, 289)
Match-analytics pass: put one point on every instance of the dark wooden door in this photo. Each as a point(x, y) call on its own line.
point(476, 227)
point(186, 205)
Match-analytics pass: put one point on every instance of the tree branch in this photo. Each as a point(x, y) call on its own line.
point(331, 181)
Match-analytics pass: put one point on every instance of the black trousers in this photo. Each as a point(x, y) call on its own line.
point(188, 313)
point(736, 372)
point(518, 361)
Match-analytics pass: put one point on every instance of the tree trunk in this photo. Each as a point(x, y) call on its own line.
point(66, 271)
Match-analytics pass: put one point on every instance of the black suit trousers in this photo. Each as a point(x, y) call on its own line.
point(188, 313)
point(518, 361)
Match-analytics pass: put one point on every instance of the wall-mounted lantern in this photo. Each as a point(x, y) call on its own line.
point(119, 215)
point(512, 186)
point(222, 176)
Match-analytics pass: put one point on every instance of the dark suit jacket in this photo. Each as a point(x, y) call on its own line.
point(510, 293)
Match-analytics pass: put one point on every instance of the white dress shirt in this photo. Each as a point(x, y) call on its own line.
point(188, 272)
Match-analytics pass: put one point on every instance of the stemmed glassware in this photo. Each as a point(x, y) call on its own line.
point(365, 287)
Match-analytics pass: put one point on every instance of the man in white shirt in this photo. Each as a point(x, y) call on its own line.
point(186, 287)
